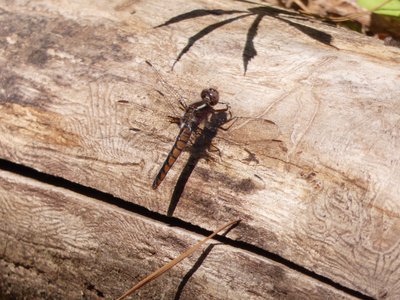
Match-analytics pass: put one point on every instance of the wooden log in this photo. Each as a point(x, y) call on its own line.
point(57, 244)
point(319, 188)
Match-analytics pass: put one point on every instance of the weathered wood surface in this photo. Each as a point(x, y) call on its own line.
point(67, 246)
point(78, 101)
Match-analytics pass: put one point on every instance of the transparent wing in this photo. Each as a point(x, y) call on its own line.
point(253, 135)
point(168, 92)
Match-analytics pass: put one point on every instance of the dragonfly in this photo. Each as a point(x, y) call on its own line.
point(198, 113)
point(194, 114)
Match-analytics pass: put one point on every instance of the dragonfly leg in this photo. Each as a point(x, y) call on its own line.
point(231, 120)
point(182, 104)
point(172, 119)
point(229, 117)
point(228, 107)
point(213, 148)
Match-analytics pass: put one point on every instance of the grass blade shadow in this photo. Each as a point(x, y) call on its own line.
point(193, 39)
point(198, 13)
point(249, 51)
point(315, 34)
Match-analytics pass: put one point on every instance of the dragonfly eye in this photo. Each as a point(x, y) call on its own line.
point(211, 96)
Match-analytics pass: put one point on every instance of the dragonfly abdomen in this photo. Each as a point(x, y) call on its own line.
point(180, 144)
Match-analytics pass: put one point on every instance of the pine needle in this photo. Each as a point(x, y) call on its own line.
point(175, 261)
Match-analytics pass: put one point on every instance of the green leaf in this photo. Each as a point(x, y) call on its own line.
point(391, 9)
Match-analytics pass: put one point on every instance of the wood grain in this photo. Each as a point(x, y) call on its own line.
point(56, 244)
point(78, 101)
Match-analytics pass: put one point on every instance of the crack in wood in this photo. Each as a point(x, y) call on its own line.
point(171, 221)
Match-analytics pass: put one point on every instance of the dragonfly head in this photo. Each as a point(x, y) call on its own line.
point(210, 96)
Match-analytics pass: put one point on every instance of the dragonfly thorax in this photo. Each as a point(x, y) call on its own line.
point(210, 96)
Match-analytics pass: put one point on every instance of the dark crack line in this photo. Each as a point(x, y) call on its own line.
point(171, 221)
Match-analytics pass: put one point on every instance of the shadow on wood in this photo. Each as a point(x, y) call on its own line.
point(198, 151)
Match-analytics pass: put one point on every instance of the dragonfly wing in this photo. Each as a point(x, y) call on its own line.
point(259, 136)
point(169, 93)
